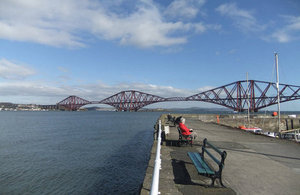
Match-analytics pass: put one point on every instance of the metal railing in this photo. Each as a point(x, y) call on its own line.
point(157, 165)
point(291, 134)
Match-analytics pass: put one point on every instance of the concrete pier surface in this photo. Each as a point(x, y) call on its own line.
point(255, 164)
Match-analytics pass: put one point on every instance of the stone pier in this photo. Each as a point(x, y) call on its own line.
point(255, 164)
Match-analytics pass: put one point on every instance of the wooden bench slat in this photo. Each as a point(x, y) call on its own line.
point(200, 164)
point(204, 164)
point(196, 162)
point(214, 158)
point(215, 148)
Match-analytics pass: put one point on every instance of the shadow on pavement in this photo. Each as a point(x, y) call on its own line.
point(187, 178)
point(270, 155)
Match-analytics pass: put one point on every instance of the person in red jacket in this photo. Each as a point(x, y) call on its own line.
point(186, 131)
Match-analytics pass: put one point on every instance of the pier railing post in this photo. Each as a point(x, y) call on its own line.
point(157, 165)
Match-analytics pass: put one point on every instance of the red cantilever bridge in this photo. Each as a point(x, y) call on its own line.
point(237, 96)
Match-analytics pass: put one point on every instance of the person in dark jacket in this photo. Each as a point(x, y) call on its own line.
point(177, 120)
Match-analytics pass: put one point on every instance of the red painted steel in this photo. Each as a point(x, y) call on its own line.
point(259, 94)
point(72, 103)
point(237, 96)
point(131, 100)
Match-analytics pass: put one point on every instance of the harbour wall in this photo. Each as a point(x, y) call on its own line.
point(267, 123)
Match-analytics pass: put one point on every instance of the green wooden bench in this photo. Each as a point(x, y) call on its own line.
point(203, 168)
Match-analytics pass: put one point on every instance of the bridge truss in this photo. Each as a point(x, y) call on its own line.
point(72, 103)
point(131, 100)
point(252, 94)
point(238, 96)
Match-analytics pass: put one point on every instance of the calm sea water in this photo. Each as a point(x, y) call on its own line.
point(74, 152)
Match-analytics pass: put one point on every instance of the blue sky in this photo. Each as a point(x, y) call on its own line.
point(93, 49)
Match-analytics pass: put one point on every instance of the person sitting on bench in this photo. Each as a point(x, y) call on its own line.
point(186, 131)
point(177, 120)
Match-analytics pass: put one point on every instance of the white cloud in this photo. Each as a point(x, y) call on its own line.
point(243, 19)
point(61, 23)
point(232, 51)
point(10, 70)
point(41, 92)
point(51, 23)
point(186, 9)
point(144, 28)
point(232, 10)
point(247, 23)
point(30, 88)
point(289, 32)
point(63, 69)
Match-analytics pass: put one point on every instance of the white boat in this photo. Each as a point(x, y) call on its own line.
point(255, 130)
point(270, 134)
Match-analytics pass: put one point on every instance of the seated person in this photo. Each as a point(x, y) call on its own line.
point(170, 118)
point(177, 120)
point(186, 131)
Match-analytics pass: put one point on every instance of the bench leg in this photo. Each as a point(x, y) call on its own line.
point(221, 181)
point(185, 142)
point(189, 141)
point(213, 181)
point(179, 143)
